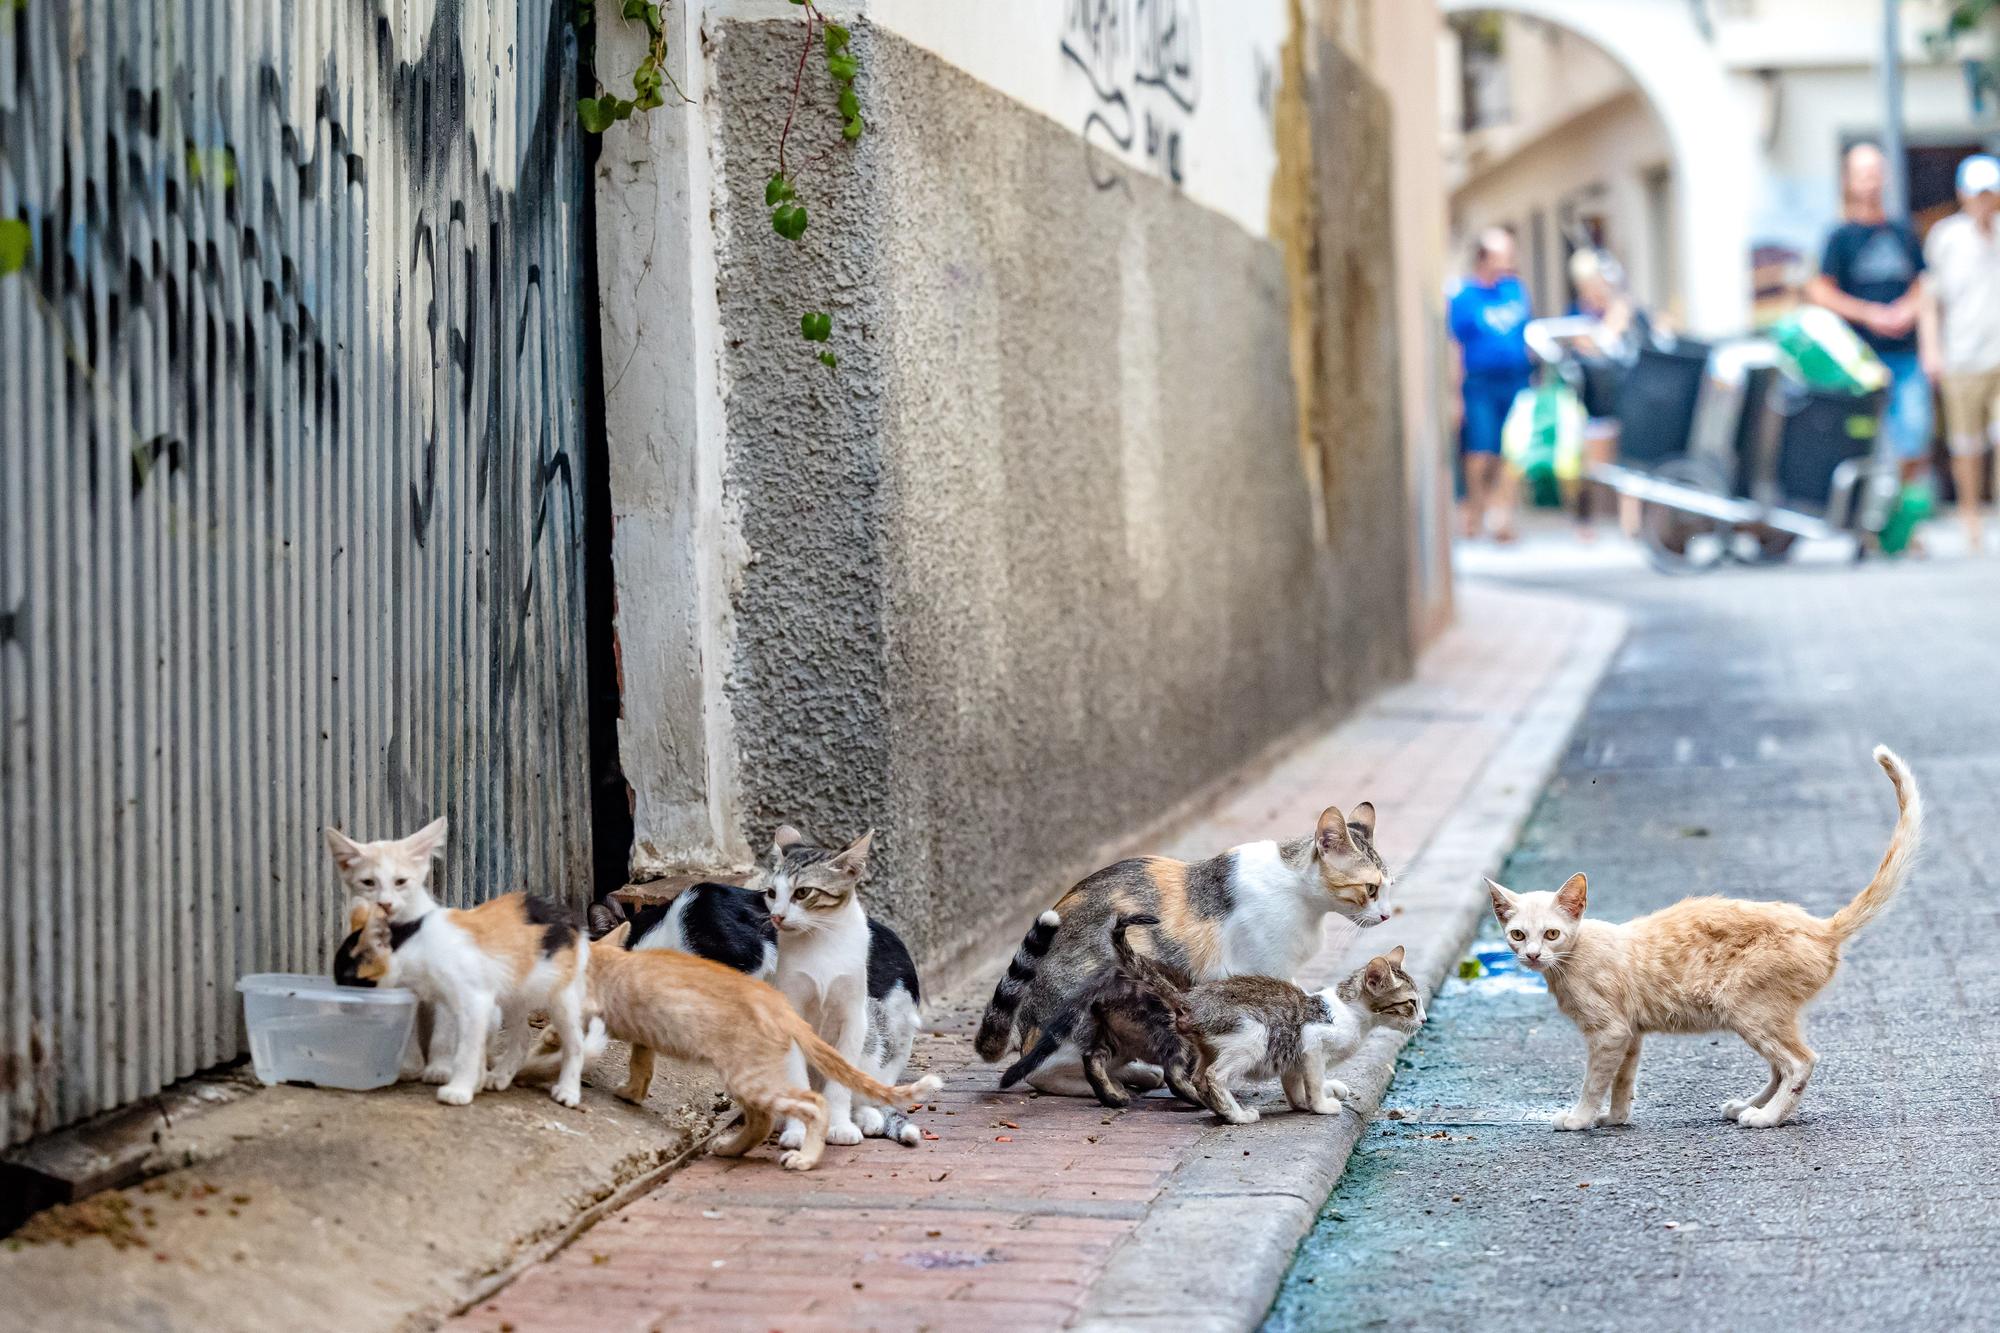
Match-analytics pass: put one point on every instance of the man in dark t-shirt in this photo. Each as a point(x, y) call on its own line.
point(1871, 275)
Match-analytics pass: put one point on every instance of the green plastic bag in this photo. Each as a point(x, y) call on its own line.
point(1913, 505)
point(1542, 439)
point(1822, 352)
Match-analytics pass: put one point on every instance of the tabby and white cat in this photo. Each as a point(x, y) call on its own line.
point(847, 973)
point(513, 956)
point(1254, 909)
point(1253, 1028)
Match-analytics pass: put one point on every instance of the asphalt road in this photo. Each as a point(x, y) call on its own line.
point(1726, 752)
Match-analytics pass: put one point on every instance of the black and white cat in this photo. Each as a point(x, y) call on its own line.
point(720, 922)
point(849, 975)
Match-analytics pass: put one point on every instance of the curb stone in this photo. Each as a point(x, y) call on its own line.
point(1261, 1186)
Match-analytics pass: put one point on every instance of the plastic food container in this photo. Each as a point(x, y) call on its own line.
point(306, 1029)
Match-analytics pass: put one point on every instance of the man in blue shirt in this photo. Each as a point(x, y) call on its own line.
point(1872, 276)
point(1489, 318)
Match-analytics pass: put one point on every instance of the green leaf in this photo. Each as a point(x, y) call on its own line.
point(852, 129)
point(850, 105)
point(1469, 969)
point(633, 9)
point(816, 325)
point(829, 360)
point(647, 78)
point(843, 67)
point(789, 221)
point(650, 99)
point(836, 37)
point(596, 119)
point(778, 189)
point(17, 241)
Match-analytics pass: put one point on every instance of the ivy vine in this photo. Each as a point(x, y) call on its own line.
point(788, 213)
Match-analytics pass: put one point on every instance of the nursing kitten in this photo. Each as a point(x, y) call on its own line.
point(1702, 965)
point(720, 922)
point(1254, 909)
point(1133, 1013)
point(513, 955)
point(847, 973)
point(394, 875)
point(670, 1003)
point(1252, 1028)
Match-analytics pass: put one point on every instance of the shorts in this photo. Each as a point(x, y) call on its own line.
point(1971, 409)
point(1907, 423)
point(1488, 399)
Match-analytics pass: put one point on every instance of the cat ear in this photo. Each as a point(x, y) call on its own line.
point(1394, 957)
point(346, 852)
point(786, 837)
point(427, 841)
point(853, 859)
point(615, 937)
point(1571, 895)
point(1363, 817)
point(1332, 833)
point(1376, 976)
point(1505, 903)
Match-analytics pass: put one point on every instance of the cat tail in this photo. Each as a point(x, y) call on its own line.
point(1903, 844)
point(546, 1062)
point(832, 1064)
point(1127, 959)
point(996, 1026)
point(1032, 1059)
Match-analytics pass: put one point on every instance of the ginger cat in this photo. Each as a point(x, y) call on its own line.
point(675, 1004)
point(1702, 965)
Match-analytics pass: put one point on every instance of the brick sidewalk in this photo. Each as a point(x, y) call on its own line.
point(1011, 1214)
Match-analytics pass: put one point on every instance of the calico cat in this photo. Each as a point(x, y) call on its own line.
point(394, 876)
point(720, 922)
point(670, 1003)
point(513, 955)
point(1254, 909)
point(1135, 1011)
point(1251, 1028)
point(1701, 965)
point(846, 972)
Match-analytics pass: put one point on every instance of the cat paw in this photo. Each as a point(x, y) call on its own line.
point(1338, 1090)
point(909, 1135)
point(452, 1095)
point(497, 1082)
point(437, 1073)
point(1325, 1106)
point(1735, 1107)
point(871, 1122)
point(794, 1136)
point(844, 1135)
point(795, 1160)
point(1759, 1117)
point(1245, 1115)
point(1612, 1118)
point(567, 1094)
point(1573, 1120)
point(1142, 1077)
point(628, 1093)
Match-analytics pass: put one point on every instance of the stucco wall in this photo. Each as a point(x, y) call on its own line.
point(1036, 560)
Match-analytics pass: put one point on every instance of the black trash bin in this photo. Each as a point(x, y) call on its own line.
point(1821, 431)
point(1656, 403)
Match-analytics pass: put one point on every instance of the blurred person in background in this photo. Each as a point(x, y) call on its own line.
point(1871, 275)
point(1605, 351)
point(1489, 317)
point(1958, 330)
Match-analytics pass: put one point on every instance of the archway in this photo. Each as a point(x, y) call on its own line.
point(1710, 127)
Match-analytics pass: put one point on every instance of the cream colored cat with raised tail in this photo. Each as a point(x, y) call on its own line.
point(1702, 965)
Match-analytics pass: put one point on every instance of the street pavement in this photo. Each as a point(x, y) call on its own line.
point(1727, 751)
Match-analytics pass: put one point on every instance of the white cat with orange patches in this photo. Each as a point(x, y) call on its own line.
point(1702, 965)
point(496, 963)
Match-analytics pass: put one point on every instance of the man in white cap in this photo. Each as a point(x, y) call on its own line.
point(1958, 329)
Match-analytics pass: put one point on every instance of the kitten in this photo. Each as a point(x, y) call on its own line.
point(513, 955)
point(1702, 965)
point(393, 875)
point(1251, 1028)
point(720, 922)
point(1134, 1012)
point(1254, 909)
point(669, 1003)
point(848, 974)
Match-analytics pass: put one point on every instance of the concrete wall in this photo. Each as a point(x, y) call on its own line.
point(1036, 560)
